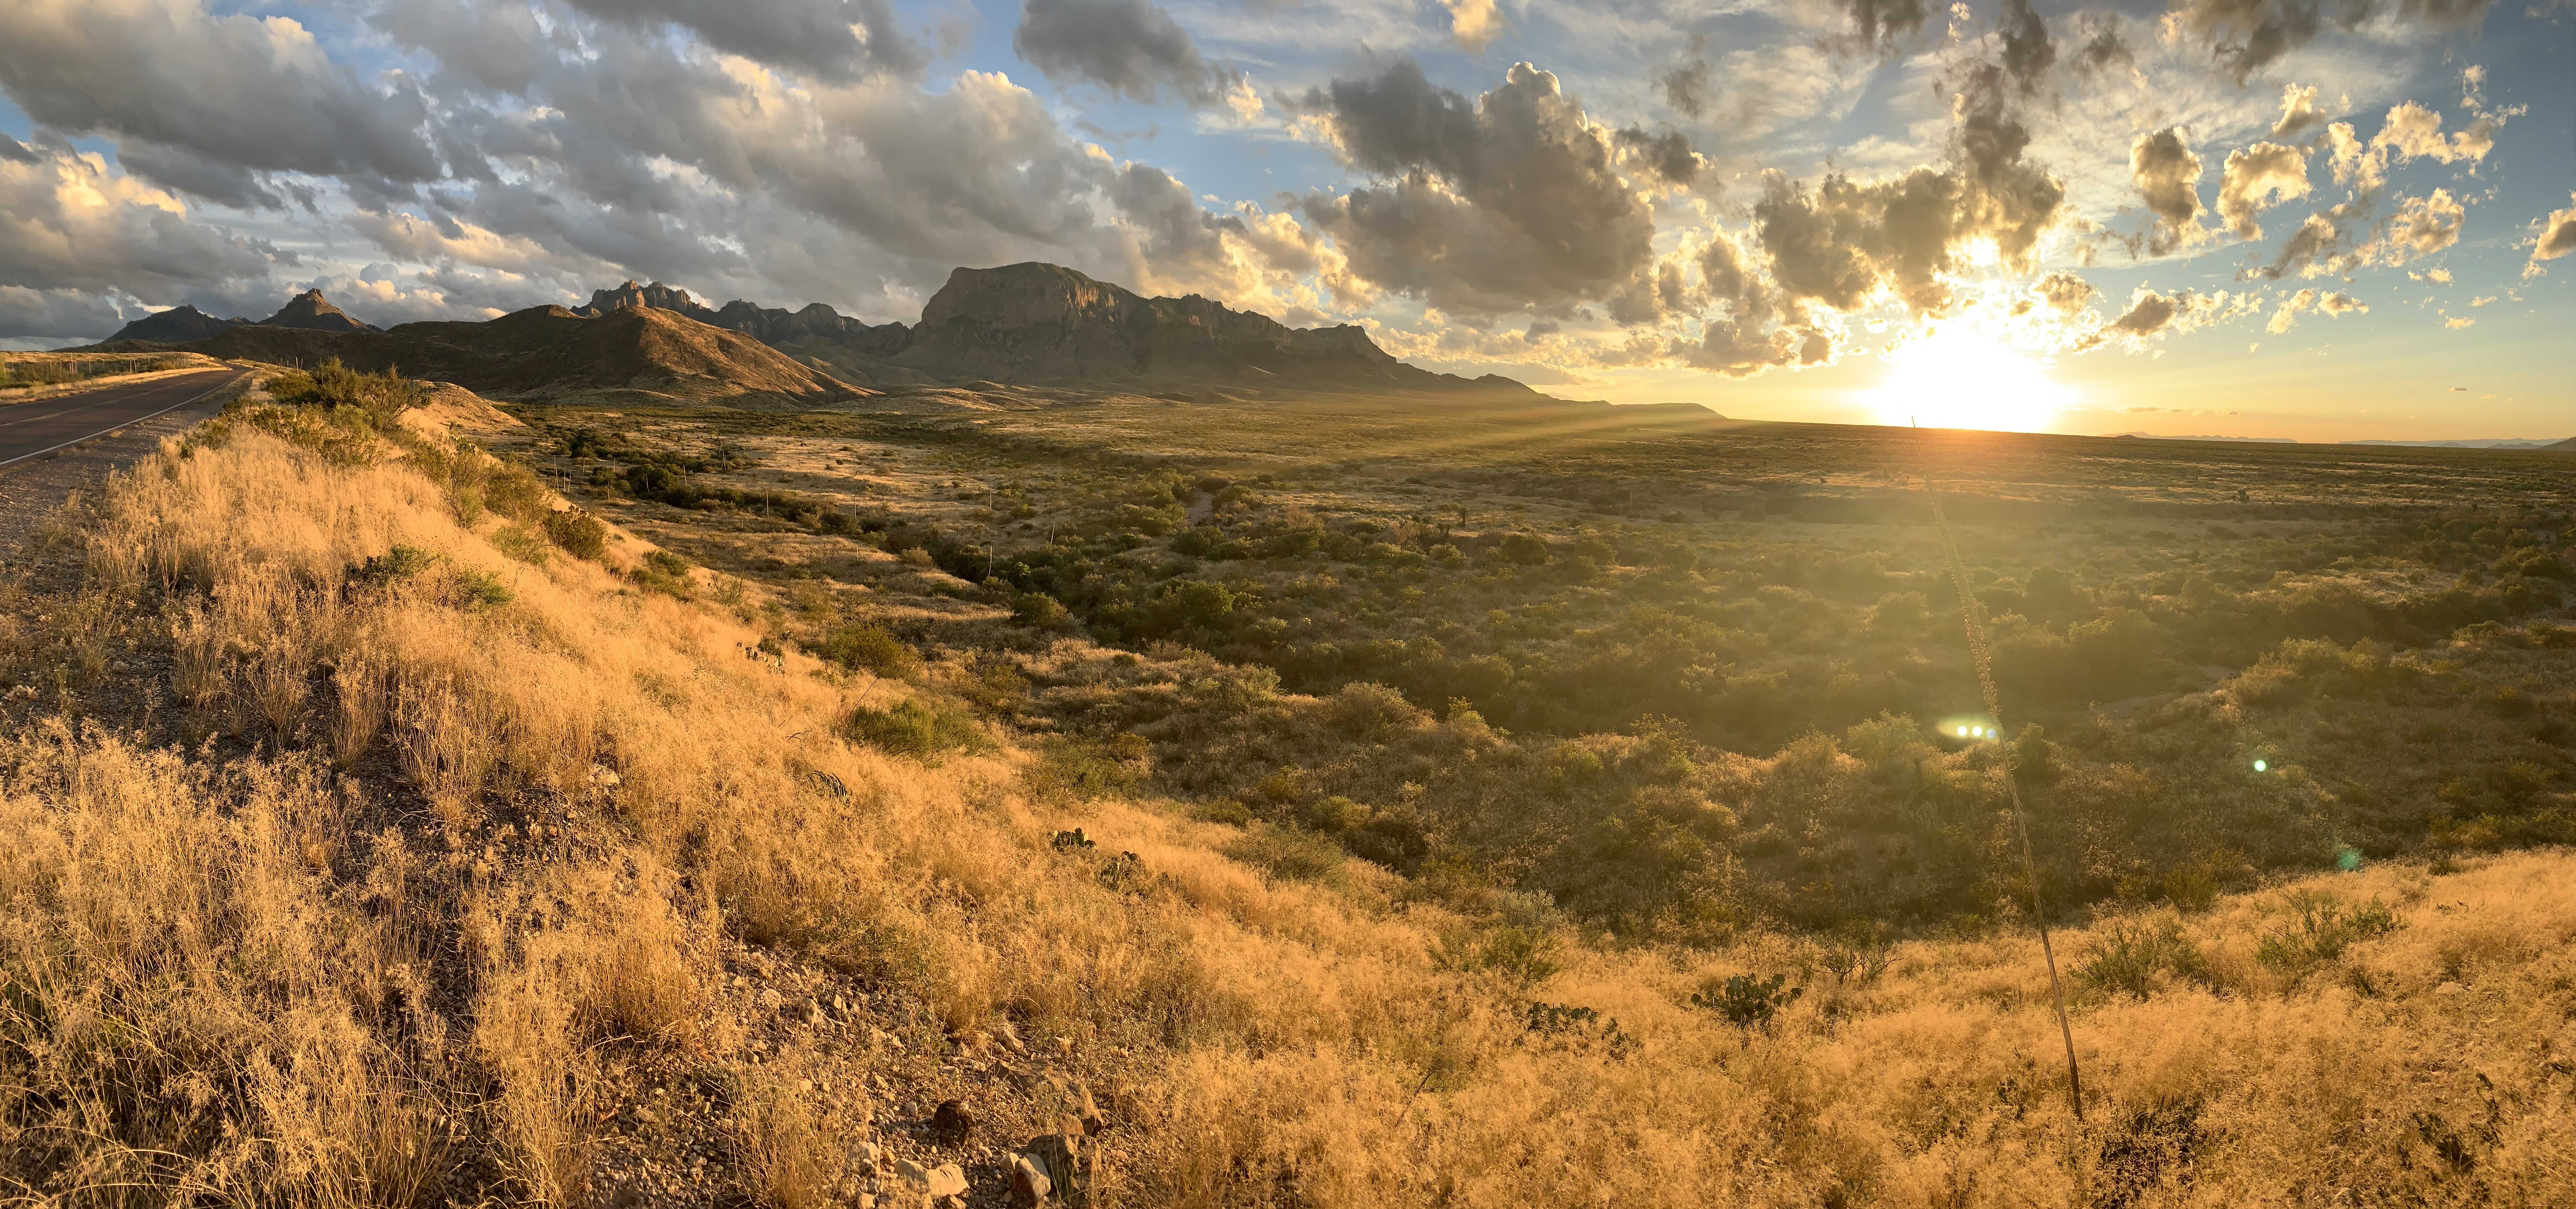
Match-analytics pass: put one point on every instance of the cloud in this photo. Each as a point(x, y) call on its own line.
point(2152, 314)
point(2264, 174)
point(2148, 314)
point(2422, 226)
point(2329, 304)
point(1132, 48)
point(2027, 51)
point(1483, 206)
point(2299, 112)
point(1473, 22)
point(2065, 293)
point(69, 222)
point(2557, 238)
point(2247, 35)
point(2457, 322)
point(832, 40)
point(252, 94)
point(27, 314)
point(2167, 174)
point(1685, 87)
point(1667, 155)
point(2414, 132)
point(1877, 25)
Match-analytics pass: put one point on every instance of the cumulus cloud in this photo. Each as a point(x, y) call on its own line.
point(1473, 22)
point(2557, 238)
point(2299, 112)
point(2262, 175)
point(837, 40)
point(1667, 154)
point(1878, 25)
point(2152, 314)
point(1484, 206)
point(2167, 174)
point(27, 314)
point(2027, 51)
point(69, 222)
point(2332, 305)
point(2065, 293)
point(2421, 227)
point(2247, 35)
point(1130, 47)
point(253, 94)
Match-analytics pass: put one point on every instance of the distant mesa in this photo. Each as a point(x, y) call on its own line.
point(2568, 445)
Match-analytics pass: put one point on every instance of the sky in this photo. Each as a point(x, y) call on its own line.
point(2268, 218)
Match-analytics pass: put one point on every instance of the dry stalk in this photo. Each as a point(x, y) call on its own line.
point(1973, 611)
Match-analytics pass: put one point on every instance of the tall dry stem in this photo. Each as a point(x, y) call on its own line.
point(1980, 652)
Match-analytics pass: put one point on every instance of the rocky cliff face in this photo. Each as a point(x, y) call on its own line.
point(1041, 324)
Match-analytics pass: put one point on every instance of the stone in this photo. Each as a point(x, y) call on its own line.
point(1058, 1157)
point(1030, 1187)
point(947, 1179)
point(911, 1171)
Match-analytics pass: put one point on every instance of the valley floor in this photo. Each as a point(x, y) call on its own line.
point(377, 837)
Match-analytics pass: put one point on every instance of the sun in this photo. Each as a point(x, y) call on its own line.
point(1959, 377)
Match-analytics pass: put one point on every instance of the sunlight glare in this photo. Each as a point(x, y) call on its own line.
point(1959, 377)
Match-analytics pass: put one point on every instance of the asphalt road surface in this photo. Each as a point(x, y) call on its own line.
point(41, 426)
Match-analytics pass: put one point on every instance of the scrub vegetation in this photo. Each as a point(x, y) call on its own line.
point(640, 809)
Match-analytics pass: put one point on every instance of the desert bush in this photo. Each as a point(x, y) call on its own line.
point(915, 727)
point(870, 648)
point(579, 533)
point(2137, 958)
point(2321, 929)
point(1744, 1000)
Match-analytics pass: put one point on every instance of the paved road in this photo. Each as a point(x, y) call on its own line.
point(35, 428)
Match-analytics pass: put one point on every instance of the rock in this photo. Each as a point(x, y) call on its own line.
point(1058, 1157)
point(866, 1155)
point(947, 1179)
point(911, 1171)
point(951, 1123)
point(1030, 1187)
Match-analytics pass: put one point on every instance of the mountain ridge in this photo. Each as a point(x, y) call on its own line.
point(1038, 324)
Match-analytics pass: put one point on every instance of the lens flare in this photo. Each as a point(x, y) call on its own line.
point(2260, 766)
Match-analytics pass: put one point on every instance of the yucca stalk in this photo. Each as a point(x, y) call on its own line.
point(1982, 654)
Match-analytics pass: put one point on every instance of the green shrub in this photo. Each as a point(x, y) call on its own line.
point(399, 563)
point(476, 588)
point(2323, 929)
point(667, 563)
point(870, 648)
point(2135, 959)
point(520, 543)
point(579, 533)
point(1037, 610)
point(916, 727)
point(1745, 1000)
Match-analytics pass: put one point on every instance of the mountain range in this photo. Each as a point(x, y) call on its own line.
point(309, 311)
point(1019, 326)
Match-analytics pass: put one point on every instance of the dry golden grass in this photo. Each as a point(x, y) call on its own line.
point(438, 876)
